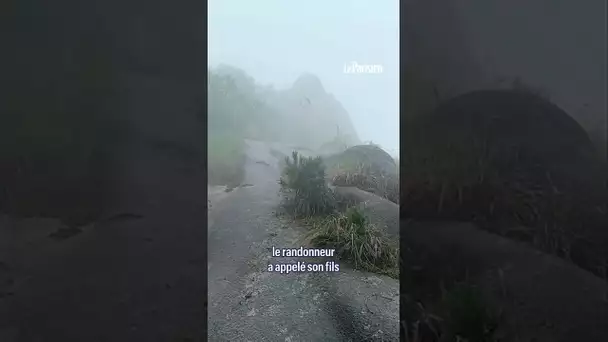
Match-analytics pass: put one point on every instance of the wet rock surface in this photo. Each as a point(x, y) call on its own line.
point(248, 303)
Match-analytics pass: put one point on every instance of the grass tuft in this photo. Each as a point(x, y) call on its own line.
point(356, 240)
point(307, 195)
point(363, 177)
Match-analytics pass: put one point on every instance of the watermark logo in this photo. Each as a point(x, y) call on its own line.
point(356, 68)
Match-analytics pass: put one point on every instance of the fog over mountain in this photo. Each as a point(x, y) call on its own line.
point(290, 46)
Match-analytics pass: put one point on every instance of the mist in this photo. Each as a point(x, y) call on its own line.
point(275, 42)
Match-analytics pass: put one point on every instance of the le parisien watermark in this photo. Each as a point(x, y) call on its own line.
point(356, 68)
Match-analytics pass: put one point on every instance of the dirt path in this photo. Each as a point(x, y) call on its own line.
point(247, 303)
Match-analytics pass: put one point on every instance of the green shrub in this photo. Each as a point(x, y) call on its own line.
point(366, 167)
point(304, 187)
point(357, 240)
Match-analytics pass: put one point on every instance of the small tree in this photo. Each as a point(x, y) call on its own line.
point(304, 187)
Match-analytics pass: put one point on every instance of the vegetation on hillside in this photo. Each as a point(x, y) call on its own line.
point(499, 171)
point(462, 313)
point(365, 178)
point(366, 167)
point(306, 195)
point(356, 240)
point(240, 108)
point(227, 126)
point(515, 164)
point(235, 107)
point(544, 189)
point(303, 115)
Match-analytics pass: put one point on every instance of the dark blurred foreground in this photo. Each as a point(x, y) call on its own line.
point(82, 83)
point(100, 130)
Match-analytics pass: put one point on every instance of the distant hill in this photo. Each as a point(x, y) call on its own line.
point(314, 116)
point(304, 114)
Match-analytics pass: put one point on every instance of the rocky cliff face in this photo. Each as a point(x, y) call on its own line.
point(313, 116)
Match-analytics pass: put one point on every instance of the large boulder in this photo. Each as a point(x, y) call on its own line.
point(517, 131)
point(366, 167)
point(378, 160)
point(381, 212)
point(541, 297)
point(509, 158)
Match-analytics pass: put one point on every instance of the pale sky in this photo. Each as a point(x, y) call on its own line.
point(275, 41)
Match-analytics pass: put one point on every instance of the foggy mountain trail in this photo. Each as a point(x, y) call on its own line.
point(248, 303)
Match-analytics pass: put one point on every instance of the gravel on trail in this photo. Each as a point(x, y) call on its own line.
point(248, 303)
